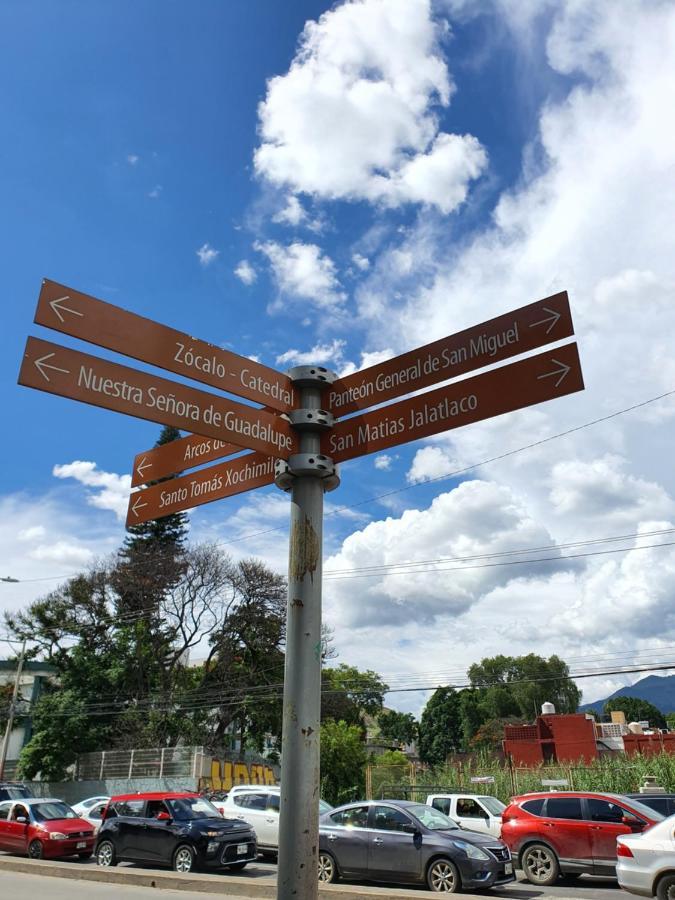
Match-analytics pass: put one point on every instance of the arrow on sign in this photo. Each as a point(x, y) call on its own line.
point(562, 371)
point(553, 318)
point(41, 365)
point(58, 308)
point(140, 468)
point(137, 505)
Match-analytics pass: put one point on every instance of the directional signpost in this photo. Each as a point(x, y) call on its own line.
point(296, 444)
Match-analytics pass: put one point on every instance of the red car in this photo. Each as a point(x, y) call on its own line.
point(570, 833)
point(44, 829)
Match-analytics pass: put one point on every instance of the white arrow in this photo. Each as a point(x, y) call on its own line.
point(562, 372)
point(137, 505)
point(41, 365)
point(553, 319)
point(58, 308)
point(143, 465)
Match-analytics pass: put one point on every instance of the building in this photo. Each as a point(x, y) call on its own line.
point(34, 677)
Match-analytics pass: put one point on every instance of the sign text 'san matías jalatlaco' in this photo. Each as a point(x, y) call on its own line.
point(81, 316)
point(79, 376)
point(482, 345)
point(553, 373)
point(252, 470)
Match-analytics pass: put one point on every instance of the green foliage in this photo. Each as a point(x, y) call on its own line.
point(343, 761)
point(348, 694)
point(440, 729)
point(670, 721)
point(518, 685)
point(490, 734)
point(397, 727)
point(636, 710)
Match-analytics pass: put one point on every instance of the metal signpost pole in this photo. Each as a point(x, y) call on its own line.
point(12, 708)
point(307, 475)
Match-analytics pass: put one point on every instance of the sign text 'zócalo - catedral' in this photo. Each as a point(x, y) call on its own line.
point(553, 373)
point(79, 376)
point(511, 334)
point(82, 316)
point(177, 494)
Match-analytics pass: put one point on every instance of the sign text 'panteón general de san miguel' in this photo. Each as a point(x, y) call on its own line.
point(81, 316)
point(482, 345)
point(79, 376)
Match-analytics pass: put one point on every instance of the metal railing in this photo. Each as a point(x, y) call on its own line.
point(159, 762)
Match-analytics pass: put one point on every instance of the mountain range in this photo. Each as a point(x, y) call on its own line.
point(658, 689)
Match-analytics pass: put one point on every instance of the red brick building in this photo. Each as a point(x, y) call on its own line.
point(553, 738)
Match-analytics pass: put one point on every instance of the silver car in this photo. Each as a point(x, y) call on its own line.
point(400, 841)
point(646, 862)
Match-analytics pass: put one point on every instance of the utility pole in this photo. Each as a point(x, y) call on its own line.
point(12, 708)
point(306, 475)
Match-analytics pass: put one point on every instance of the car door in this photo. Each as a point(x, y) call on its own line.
point(158, 838)
point(345, 835)
point(471, 814)
point(5, 840)
point(393, 854)
point(252, 808)
point(606, 824)
point(563, 827)
point(269, 834)
point(17, 832)
point(95, 815)
point(130, 827)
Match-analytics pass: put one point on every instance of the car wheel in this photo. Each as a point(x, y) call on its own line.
point(105, 854)
point(665, 889)
point(35, 849)
point(443, 877)
point(327, 868)
point(184, 859)
point(540, 865)
point(237, 867)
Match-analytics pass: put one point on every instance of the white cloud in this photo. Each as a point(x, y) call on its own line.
point(304, 272)
point(371, 358)
point(319, 355)
point(383, 462)
point(245, 272)
point(207, 254)
point(32, 533)
point(111, 490)
point(132, 159)
point(361, 262)
point(354, 117)
point(156, 191)
point(292, 214)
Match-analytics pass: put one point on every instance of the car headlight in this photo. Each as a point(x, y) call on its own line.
point(471, 850)
point(211, 834)
point(57, 836)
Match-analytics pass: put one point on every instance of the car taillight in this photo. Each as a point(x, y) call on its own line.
point(624, 850)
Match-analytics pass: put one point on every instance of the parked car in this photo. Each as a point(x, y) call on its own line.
point(259, 806)
point(94, 814)
point(646, 862)
point(179, 829)
point(83, 807)
point(477, 812)
point(570, 833)
point(13, 790)
point(401, 841)
point(663, 803)
point(44, 828)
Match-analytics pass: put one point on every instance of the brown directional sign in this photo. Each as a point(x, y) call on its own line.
point(81, 316)
point(553, 373)
point(69, 373)
point(177, 494)
point(176, 456)
point(508, 335)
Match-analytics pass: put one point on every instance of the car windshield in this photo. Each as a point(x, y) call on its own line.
point(187, 808)
point(324, 807)
point(432, 818)
point(493, 806)
point(640, 808)
point(51, 810)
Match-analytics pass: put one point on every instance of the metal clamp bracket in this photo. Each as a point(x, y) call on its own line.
point(303, 464)
point(311, 376)
point(314, 419)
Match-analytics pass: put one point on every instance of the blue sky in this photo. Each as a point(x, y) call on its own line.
point(398, 170)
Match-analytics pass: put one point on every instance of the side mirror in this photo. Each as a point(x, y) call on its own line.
point(22, 819)
point(163, 816)
point(632, 822)
point(410, 829)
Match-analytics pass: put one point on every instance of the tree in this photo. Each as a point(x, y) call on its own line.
point(397, 727)
point(490, 734)
point(440, 728)
point(636, 710)
point(347, 694)
point(343, 762)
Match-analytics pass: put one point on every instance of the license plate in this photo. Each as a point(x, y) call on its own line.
point(508, 868)
point(242, 849)
point(81, 845)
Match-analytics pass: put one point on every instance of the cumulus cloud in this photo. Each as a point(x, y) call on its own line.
point(110, 491)
point(155, 192)
point(383, 462)
point(132, 159)
point(355, 115)
point(292, 214)
point(245, 272)
point(304, 272)
point(361, 262)
point(207, 254)
point(319, 355)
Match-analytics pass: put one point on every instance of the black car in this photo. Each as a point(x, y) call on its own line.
point(400, 841)
point(182, 830)
point(663, 803)
point(14, 790)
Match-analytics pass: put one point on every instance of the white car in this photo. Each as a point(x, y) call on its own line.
point(646, 862)
point(258, 805)
point(92, 810)
point(475, 812)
